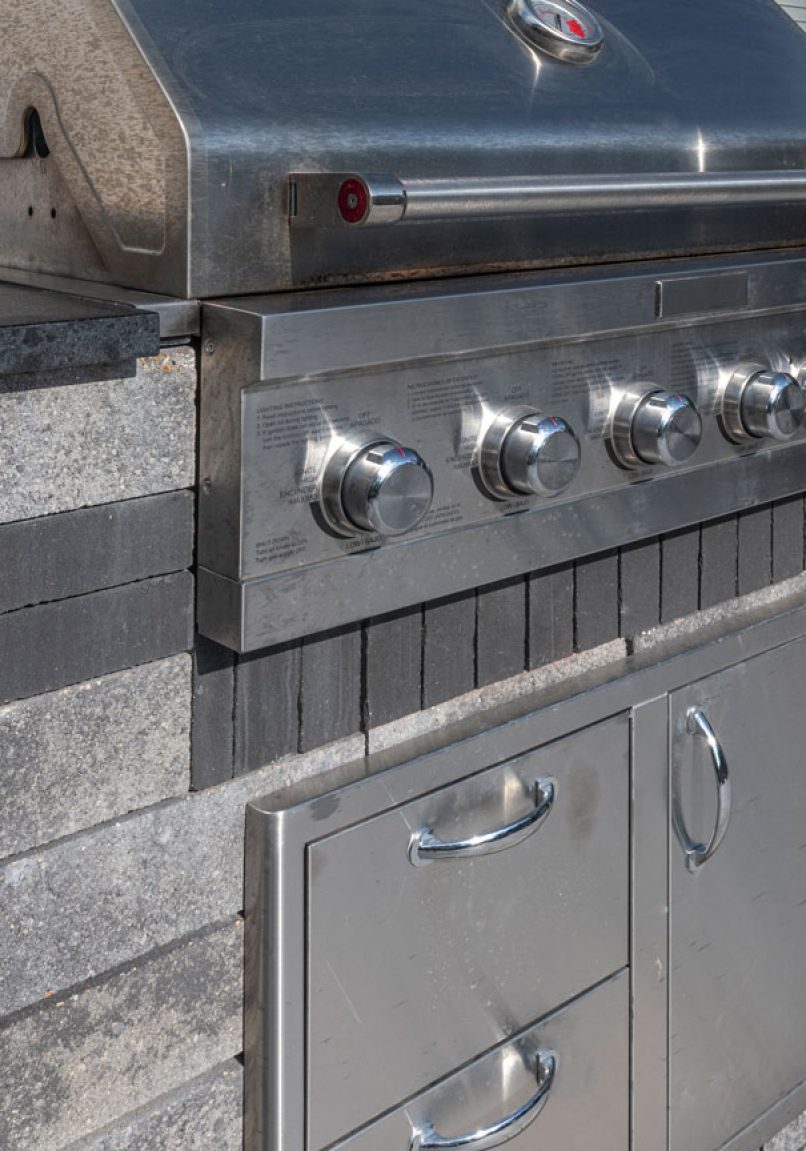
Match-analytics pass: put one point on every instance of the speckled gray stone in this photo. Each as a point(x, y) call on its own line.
point(95, 443)
point(107, 896)
point(204, 1115)
point(83, 1060)
point(792, 1139)
point(88, 753)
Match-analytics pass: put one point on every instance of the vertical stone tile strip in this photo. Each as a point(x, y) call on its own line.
point(91, 752)
point(393, 673)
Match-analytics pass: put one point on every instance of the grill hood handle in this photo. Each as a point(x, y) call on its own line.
point(339, 200)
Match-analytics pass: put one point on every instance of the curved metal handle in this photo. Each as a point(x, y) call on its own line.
point(425, 847)
point(427, 1139)
point(332, 200)
point(699, 853)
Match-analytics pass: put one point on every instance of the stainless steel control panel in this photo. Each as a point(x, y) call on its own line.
point(403, 432)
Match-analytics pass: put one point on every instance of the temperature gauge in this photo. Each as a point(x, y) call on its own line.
point(562, 28)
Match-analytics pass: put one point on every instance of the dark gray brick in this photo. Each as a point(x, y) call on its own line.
point(680, 574)
point(394, 654)
point(551, 615)
point(787, 538)
point(449, 648)
point(501, 631)
point(213, 733)
point(331, 687)
point(267, 687)
point(597, 610)
point(57, 644)
point(755, 549)
point(718, 561)
point(640, 587)
point(73, 553)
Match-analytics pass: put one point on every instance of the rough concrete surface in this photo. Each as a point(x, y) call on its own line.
point(204, 1115)
point(65, 448)
point(89, 753)
point(90, 902)
point(88, 1058)
point(792, 1139)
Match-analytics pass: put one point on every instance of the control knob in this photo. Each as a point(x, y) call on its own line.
point(380, 488)
point(655, 428)
point(527, 453)
point(758, 403)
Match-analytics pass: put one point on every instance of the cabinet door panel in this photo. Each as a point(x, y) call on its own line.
point(738, 923)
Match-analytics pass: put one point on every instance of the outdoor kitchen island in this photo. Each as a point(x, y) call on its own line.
point(402, 575)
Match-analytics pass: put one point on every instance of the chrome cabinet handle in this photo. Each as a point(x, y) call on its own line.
point(699, 853)
point(427, 1139)
point(343, 199)
point(425, 847)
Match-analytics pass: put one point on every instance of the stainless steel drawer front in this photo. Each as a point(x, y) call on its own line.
point(414, 970)
point(587, 1106)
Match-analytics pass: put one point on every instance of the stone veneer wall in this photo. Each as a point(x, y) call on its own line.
point(120, 887)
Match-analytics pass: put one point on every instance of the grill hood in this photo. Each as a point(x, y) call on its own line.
point(170, 131)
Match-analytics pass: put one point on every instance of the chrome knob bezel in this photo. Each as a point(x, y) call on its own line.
point(335, 494)
point(513, 477)
point(629, 409)
point(742, 425)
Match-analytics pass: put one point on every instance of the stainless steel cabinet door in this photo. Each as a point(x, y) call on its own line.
point(738, 896)
point(420, 958)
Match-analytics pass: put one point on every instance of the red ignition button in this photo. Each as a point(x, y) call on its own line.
point(353, 201)
point(576, 29)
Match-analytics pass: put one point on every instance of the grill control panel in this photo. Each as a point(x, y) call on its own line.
point(425, 461)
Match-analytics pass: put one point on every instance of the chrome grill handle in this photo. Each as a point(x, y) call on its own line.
point(425, 847)
point(427, 1139)
point(698, 854)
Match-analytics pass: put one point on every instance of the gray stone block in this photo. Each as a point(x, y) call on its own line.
point(76, 757)
point(551, 615)
point(500, 631)
point(56, 644)
point(97, 443)
point(596, 609)
point(204, 1115)
point(793, 1138)
point(213, 705)
point(640, 587)
point(680, 574)
point(112, 894)
point(105, 1049)
point(77, 552)
point(787, 538)
point(449, 648)
point(330, 694)
point(393, 647)
point(755, 549)
point(719, 559)
point(267, 687)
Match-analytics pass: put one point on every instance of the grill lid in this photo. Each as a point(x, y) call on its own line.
point(171, 132)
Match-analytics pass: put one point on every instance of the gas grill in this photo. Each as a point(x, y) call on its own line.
point(478, 288)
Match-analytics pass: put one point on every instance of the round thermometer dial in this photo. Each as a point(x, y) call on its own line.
point(562, 28)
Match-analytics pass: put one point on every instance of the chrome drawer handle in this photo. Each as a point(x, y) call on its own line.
point(698, 853)
point(427, 1139)
point(425, 847)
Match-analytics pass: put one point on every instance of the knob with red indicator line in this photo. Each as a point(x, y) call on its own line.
point(525, 452)
point(380, 488)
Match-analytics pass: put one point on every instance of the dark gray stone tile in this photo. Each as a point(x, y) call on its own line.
point(680, 574)
point(718, 561)
point(755, 549)
point(551, 615)
point(787, 538)
point(449, 648)
point(640, 587)
point(61, 643)
point(596, 601)
point(267, 703)
point(501, 631)
point(393, 670)
point(331, 687)
point(73, 553)
point(213, 735)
